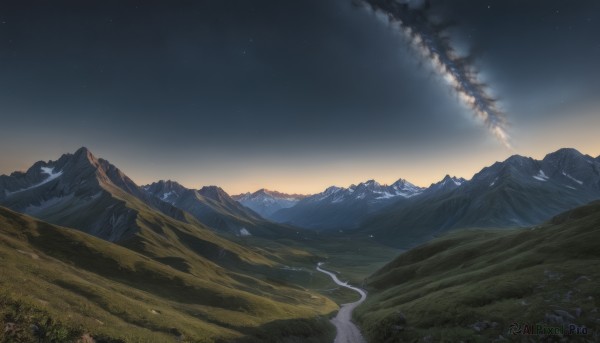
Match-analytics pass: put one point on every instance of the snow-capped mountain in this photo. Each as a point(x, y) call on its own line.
point(447, 183)
point(90, 194)
point(371, 191)
point(519, 191)
point(81, 191)
point(339, 207)
point(266, 202)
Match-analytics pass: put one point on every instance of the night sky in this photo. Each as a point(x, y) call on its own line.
point(289, 95)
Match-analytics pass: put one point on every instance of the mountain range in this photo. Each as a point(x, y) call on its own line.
point(81, 191)
point(345, 208)
point(266, 202)
point(517, 192)
point(211, 205)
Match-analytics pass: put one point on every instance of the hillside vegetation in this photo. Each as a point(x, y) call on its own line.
point(59, 284)
point(472, 285)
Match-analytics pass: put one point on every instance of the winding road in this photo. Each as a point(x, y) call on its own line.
point(347, 332)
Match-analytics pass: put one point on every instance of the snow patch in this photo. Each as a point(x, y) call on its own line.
point(386, 195)
point(166, 195)
point(45, 170)
point(541, 176)
point(244, 232)
point(572, 178)
point(51, 176)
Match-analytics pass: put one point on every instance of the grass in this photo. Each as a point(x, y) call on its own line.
point(174, 280)
point(27, 323)
point(352, 259)
point(484, 279)
point(90, 286)
point(170, 278)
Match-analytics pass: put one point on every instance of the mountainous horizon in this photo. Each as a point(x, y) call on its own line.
point(376, 206)
point(517, 192)
point(255, 190)
point(266, 202)
point(345, 208)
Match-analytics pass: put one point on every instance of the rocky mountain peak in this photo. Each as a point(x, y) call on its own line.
point(213, 192)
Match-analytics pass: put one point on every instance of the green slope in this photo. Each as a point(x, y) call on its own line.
point(68, 283)
point(472, 285)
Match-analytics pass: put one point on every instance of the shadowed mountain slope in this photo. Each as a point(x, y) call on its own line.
point(213, 207)
point(517, 192)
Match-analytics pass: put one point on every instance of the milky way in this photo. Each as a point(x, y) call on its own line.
point(429, 40)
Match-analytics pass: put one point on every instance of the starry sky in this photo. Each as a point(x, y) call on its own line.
point(288, 95)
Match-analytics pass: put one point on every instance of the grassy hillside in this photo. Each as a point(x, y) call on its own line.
point(60, 284)
point(472, 285)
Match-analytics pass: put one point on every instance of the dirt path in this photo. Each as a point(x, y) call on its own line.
point(347, 332)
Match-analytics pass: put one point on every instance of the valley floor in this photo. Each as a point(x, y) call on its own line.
point(346, 330)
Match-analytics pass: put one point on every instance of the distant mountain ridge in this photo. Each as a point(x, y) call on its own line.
point(82, 191)
point(266, 202)
point(519, 191)
point(88, 193)
point(345, 208)
point(211, 205)
point(447, 183)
